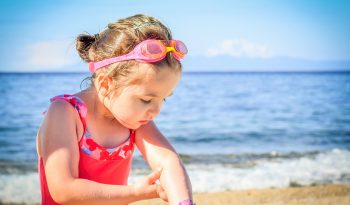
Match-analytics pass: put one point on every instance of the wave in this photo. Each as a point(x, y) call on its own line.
point(232, 172)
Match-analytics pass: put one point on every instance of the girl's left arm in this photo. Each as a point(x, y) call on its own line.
point(158, 152)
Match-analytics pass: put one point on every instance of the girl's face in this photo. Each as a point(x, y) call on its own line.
point(138, 104)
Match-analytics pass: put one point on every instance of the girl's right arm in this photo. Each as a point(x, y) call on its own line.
point(59, 150)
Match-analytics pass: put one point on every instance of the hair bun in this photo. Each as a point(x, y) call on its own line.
point(83, 44)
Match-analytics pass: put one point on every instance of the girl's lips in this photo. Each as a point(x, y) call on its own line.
point(144, 121)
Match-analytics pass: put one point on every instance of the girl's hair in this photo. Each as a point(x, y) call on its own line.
point(120, 38)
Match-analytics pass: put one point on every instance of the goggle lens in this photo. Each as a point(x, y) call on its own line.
point(154, 48)
point(180, 47)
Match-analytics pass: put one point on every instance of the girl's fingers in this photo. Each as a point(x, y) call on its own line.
point(161, 193)
point(152, 178)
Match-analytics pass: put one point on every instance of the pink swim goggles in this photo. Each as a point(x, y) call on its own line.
point(147, 51)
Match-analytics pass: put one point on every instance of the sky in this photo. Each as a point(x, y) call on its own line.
point(39, 35)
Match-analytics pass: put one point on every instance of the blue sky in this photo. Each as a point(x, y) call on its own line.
point(39, 35)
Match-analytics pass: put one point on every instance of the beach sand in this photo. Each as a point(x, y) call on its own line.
point(315, 195)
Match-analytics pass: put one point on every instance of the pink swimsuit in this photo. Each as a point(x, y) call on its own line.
point(96, 163)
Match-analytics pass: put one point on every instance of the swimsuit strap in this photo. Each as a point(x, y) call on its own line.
point(78, 104)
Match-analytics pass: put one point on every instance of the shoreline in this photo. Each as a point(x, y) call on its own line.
point(309, 195)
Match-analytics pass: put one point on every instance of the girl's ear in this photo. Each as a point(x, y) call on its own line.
point(103, 83)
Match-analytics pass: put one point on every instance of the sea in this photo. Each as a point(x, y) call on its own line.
point(233, 130)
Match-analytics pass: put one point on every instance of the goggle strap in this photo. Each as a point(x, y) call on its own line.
point(103, 63)
point(169, 49)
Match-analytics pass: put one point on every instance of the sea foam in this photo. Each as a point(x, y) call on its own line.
point(329, 167)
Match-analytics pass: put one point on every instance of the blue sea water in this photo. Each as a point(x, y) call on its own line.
point(247, 130)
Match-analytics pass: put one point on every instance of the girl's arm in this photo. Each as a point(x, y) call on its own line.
point(158, 152)
point(59, 150)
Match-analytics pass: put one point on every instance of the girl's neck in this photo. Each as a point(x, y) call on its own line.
point(100, 121)
point(97, 109)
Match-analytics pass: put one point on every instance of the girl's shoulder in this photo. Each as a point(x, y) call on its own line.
point(73, 100)
point(61, 108)
point(71, 104)
point(65, 111)
point(59, 127)
point(60, 113)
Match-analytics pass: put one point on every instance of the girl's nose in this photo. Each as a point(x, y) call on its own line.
point(154, 110)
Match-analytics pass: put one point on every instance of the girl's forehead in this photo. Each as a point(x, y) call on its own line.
point(160, 83)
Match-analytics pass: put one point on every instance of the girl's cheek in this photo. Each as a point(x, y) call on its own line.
point(142, 108)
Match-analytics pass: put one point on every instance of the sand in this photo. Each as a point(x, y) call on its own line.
point(315, 195)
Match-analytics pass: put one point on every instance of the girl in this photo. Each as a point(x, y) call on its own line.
point(86, 141)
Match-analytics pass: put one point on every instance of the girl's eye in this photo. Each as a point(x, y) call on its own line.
point(149, 101)
point(146, 101)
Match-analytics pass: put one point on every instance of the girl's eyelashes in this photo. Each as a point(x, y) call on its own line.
point(145, 101)
point(149, 101)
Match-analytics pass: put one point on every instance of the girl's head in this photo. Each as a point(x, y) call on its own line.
point(126, 88)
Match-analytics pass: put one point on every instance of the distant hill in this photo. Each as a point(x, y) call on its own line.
point(280, 64)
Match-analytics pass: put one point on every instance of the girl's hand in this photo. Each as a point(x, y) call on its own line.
point(148, 189)
point(161, 193)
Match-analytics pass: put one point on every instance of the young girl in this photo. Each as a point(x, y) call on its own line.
point(86, 141)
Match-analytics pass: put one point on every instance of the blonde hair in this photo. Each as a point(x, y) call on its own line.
point(120, 38)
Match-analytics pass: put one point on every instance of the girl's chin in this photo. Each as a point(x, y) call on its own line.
point(134, 127)
point(141, 124)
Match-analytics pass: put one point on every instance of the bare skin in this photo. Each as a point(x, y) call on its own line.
point(109, 122)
